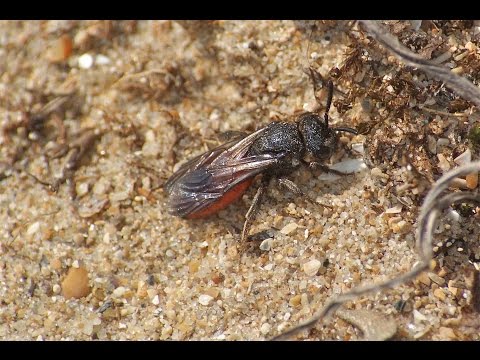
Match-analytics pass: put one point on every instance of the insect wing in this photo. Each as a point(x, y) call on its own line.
point(205, 179)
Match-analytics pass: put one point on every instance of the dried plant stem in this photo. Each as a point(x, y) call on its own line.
point(459, 84)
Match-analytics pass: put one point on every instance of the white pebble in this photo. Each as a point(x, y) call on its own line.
point(311, 268)
point(287, 229)
point(265, 329)
point(268, 267)
point(205, 299)
point(266, 244)
point(394, 210)
point(463, 158)
point(156, 300)
point(418, 316)
point(454, 215)
point(56, 289)
point(358, 147)
point(348, 166)
point(119, 292)
point(85, 61)
point(102, 60)
point(32, 229)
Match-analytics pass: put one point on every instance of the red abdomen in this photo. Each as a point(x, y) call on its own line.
point(230, 196)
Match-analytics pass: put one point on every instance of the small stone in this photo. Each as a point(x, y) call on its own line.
point(358, 147)
point(75, 285)
point(142, 289)
point(81, 188)
point(56, 289)
point(56, 264)
point(34, 228)
point(102, 60)
point(296, 300)
point(79, 239)
point(193, 266)
point(311, 268)
point(265, 329)
point(442, 142)
point(418, 317)
point(290, 228)
point(424, 279)
point(440, 294)
point(452, 288)
point(446, 333)
point(443, 164)
point(94, 207)
point(156, 300)
point(463, 158)
point(472, 180)
point(85, 61)
point(61, 50)
point(205, 299)
point(394, 210)
point(432, 144)
point(266, 244)
point(119, 292)
point(436, 279)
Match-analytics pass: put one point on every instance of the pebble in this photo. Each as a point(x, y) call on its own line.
point(156, 300)
point(56, 289)
point(436, 279)
point(102, 60)
point(472, 180)
point(463, 158)
point(266, 244)
point(89, 210)
point(358, 147)
point(394, 210)
point(311, 268)
point(446, 333)
point(61, 50)
point(424, 279)
point(443, 164)
point(265, 329)
point(296, 300)
point(56, 264)
point(418, 317)
point(205, 299)
point(290, 228)
point(75, 285)
point(32, 229)
point(452, 288)
point(85, 61)
point(440, 294)
point(431, 144)
point(81, 188)
point(119, 292)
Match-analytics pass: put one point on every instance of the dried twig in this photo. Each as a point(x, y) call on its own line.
point(459, 84)
point(427, 219)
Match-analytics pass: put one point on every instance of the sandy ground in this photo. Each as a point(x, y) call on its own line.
point(101, 258)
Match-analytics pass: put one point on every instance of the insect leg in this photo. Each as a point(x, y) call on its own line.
point(254, 208)
point(290, 185)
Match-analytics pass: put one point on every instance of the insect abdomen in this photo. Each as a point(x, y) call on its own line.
point(229, 197)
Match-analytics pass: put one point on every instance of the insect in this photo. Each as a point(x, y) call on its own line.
point(208, 183)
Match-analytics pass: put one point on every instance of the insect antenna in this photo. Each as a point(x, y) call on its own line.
point(346, 129)
point(329, 100)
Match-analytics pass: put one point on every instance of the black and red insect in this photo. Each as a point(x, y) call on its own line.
point(208, 183)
